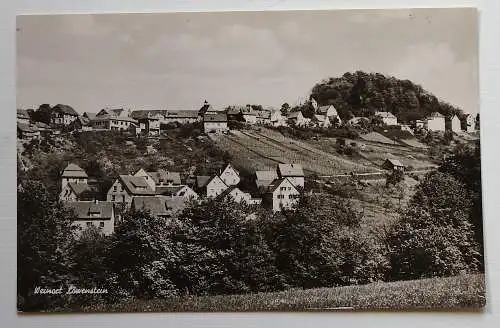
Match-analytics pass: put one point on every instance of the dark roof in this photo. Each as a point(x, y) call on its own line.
point(324, 109)
point(294, 114)
point(205, 108)
point(141, 114)
point(136, 185)
point(168, 190)
point(276, 183)
point(394, 162)
point(215, 117)
point(25, 128)
point(89, 115)
point(266, 175)
point(79, 188)
point(84, 209)
point(165, 176)
point(182, 114)
point(22, 113)
point(290, 170)
point(436, 114)
point(202, 180)
point(226, 192)
point(111, 111)
point(74, 171)
point(153, 204)
point(65, 109)
point(107, 117)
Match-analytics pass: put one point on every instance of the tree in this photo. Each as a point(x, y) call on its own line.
point(144, 255)
point(44, 241)
point(434, 236)
point(285, 109)
point(224, 250)
point(394, 178)
point(318, 244)
point(43, 114)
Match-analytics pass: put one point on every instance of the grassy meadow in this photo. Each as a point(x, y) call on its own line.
point(452, 293)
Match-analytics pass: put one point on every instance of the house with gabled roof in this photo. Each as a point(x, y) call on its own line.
point(160, 206)
point(27, 132)
point(230, 175)
point(327, 110)
point(436, 122)
point(206, 108)
point(215, 122)
point(181, 116)
point(264, 117)
point(23, 116)
point(149, 120)
point(126, 187)
point(159, 178)
point(293, 172)
point(387, 118)
point(393, 164)
point(63, 114)
point(177, 191)
point(277, 119)
point(93, 213)
point(281, 194)
point(237, 195)
point(72, 192)
point(210, 186)
point(296, 118)
point(321, 121)
point(73, 174)
point(456, 123)
point(265, 178)
point(469, 123)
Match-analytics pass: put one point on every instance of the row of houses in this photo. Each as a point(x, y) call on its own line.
point(164, 193)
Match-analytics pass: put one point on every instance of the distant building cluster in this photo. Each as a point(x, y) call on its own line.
point(165, 193)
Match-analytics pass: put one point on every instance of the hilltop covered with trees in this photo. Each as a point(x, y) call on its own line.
point(363, 94)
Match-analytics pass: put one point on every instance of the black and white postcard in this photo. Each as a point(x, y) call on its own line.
point(249, 161)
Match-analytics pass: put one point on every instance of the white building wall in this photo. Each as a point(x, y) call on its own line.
point(436, 124)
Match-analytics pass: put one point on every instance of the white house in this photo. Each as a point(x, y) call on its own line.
point(456, 124)
point(281, 194)
point(314, 103)
point(264, 117)
point(114, 123)
point(149, 120)
point(23, 117)
point(159, 178)
point(63, 115)
point(296, 118)
point(321, 121)
point(328, 110)
point(230, 175)
point(177, 191)
point(73, 173)
point(249, 115)
point(215, 122)
point(387, 117)
point(277, 119)
point(94, 213)
point(293, 172)
point(238, 196)
point(436, 122)
point(470, 124)
point(126, 187)
point(210, 186)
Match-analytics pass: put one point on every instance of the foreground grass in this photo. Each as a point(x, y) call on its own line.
point(466, 291)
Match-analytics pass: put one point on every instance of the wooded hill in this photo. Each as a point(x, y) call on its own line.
point(363, 94)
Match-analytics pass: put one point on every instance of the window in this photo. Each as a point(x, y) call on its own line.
point(291, 196)
point(123, 198)
point(282, 188)
point(289, 188)
point(281, 196)
point(114, 188)
point(101, 225)
point(89, 224)
point(112, 198)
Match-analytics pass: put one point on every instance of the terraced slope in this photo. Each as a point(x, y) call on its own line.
point(260, 150)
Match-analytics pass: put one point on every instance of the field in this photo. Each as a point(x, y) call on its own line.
point(265, 148)
point(466, 291)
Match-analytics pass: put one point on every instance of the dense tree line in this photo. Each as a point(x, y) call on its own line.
point(362, 94)
point(228, 248)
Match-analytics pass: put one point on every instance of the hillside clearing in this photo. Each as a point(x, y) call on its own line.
point(459, 292)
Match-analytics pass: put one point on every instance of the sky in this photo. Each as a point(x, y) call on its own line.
point(178, 60)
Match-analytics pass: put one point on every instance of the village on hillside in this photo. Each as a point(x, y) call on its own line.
point(165, 193)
